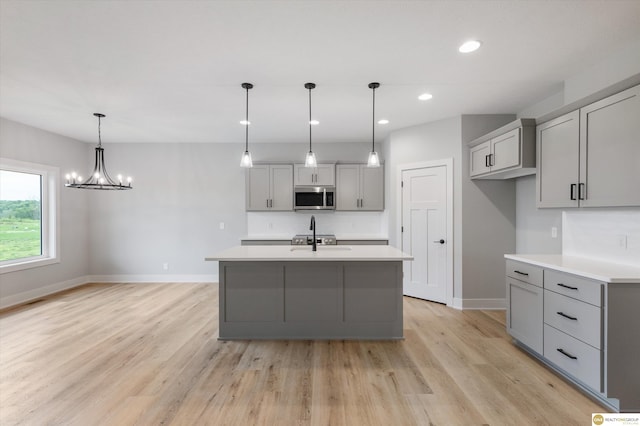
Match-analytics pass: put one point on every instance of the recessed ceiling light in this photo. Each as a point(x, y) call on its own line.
point(245, 122)
point(469, 46)
point(425, 96)
point(314, 122)
point(383, 121)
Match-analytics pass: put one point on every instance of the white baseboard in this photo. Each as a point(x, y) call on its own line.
point(164, 278)
point(27, 296)
point(486, 304)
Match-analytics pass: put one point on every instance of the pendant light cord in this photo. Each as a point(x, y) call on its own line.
point(373, 122)
point(246, 134)
point(99, 133)
point(310, 119)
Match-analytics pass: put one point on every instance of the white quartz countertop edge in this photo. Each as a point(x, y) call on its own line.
point(588, 268)
point(304, 253)
point(289, 237)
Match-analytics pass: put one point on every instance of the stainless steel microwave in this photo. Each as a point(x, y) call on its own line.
point(314, 198)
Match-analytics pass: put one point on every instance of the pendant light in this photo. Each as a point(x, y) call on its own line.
point(310, 160)
point(245, 161)
point(99, 178)
point(374, 160)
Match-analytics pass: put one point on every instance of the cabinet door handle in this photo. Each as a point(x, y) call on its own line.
point(581, 190)
point(572, 191)
point(568, 355)
point(486, 160)
point(267, 203)
point(562, 314)
point(491, 162)
point(567, 286)
point(521, 273)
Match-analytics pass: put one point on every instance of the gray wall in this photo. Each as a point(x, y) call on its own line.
point(488, 218)
point(533, 225)
point(477, 249)
point(25, 143)
point(182, 191)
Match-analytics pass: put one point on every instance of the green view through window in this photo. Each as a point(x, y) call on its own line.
point(20, 215)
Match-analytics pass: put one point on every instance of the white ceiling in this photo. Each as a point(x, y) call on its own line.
point(170, 71)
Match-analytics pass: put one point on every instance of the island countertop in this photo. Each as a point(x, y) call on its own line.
point(304, 253)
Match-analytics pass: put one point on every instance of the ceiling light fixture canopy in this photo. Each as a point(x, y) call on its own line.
point(310, 160)
point(246, 161)
point(99, 178)
point(374, 160)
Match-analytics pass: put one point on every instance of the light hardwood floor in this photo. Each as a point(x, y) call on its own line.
point(148, 354)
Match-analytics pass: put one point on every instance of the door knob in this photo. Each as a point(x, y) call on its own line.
point(441, 241)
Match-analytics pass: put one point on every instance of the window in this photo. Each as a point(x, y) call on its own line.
point(28, 215)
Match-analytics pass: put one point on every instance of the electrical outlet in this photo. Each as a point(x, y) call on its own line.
point(221, 225)
point(554, 232)
point(165, 266)
point(270, 225)
point(622, 241)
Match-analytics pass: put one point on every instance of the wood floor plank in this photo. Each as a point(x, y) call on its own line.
point(148, 354)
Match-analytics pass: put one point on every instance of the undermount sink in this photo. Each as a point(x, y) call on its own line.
point(321, 248)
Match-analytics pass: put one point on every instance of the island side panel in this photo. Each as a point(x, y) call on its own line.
point(623, 345)
point(306, 300)
point(251, 292)
point(313, 292)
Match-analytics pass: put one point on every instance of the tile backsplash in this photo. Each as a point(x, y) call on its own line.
point(327, 222)
point(610, 235)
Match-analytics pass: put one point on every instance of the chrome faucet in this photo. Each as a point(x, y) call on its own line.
point(312, 226)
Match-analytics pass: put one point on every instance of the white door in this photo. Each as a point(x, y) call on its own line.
point(424, 232)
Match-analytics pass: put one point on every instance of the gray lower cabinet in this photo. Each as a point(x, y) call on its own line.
point(589, 157)
point(269, 187)
point(587, 330)
point(310, 300)
point(359, 188)
point(525, 305)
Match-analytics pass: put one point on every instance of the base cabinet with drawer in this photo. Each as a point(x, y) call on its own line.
point(585, 329)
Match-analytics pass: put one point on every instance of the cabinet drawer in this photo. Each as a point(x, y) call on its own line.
point(573, 356)
point(573, 286)
point(578, 319)
point(524, 272)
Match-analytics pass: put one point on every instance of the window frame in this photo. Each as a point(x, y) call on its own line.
point(50, 217)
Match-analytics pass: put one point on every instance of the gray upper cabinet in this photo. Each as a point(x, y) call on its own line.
point(269, 187)
point(505, 153)
point(589, 157)
point(359, 187)
point(323, 174)
point(610, 151)
point(557, 159)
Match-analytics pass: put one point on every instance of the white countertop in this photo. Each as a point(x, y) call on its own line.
point(304, 253)
point(588, 268)
point(288, 237)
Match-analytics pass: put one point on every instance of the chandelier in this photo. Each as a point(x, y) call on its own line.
point(99, 178)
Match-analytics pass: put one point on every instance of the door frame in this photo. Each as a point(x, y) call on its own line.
point(448, 163)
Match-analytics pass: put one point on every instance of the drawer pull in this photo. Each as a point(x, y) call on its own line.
point(521, 273)
point(568, 355)
point(567, 286)
point(562, 314)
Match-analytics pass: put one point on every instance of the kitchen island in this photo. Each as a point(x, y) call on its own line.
point(292, 292)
